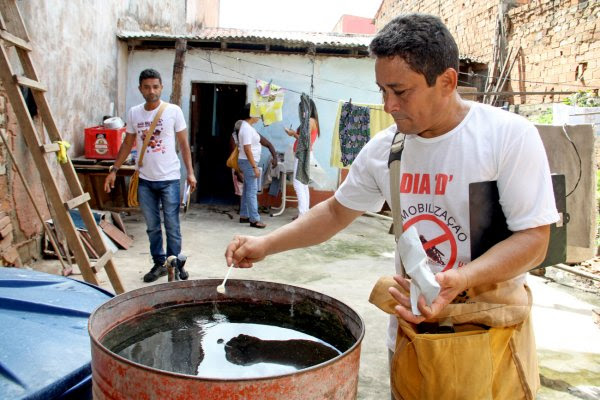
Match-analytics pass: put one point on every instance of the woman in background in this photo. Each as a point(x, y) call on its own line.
point(238, 176)
point(301, 189)
point(250, 144)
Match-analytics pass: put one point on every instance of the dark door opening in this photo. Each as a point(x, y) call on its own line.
point(214, 110)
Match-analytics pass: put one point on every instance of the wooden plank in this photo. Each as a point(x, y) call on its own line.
point(4, 221)
point(30, 83)
point(77, 201)
point(121, 239)
point(85, 239)
point(118, 221)
point(50, 147)
point(180, 51)
point(4, 232)
point(15, 41)
point(12, 19)
point(102, 262)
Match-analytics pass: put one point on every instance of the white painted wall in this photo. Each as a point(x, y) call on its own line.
point(356, 79)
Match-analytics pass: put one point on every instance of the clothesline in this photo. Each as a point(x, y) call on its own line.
point(255, 78)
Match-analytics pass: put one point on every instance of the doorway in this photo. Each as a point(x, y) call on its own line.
point(214, 110)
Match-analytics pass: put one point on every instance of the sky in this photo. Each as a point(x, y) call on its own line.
point(292, 15)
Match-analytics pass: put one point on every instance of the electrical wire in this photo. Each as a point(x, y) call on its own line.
point(470, 74)
point(363, 89)
point(255, 78)
point(209, 60)
point(564, 128)
point(528, 81)
point(301, 74)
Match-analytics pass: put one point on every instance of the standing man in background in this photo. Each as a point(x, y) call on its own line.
point(160, 175)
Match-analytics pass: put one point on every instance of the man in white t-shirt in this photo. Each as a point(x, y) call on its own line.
point(159, 175)
point(449, 144)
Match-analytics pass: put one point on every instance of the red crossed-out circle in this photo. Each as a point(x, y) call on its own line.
point(445, 236)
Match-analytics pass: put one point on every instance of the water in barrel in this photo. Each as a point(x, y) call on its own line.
point(229, 340)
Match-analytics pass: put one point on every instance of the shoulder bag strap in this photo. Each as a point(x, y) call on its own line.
point(394, 166)
point(150, 132)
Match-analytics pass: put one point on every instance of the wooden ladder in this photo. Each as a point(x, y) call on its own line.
point(13, 33)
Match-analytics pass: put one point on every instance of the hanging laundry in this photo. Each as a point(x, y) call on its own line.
point(379, 121)
point(303, 149)
point(267, 102)
point(354, 131)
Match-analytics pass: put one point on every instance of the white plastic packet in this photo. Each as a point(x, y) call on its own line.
point(414, 259)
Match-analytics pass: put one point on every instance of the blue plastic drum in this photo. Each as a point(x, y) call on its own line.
point(44, 342)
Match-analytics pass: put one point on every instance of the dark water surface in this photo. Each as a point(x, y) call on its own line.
point(231, 340)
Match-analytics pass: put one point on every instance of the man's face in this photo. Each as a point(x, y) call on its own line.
point(151, 89)
point(416, 107)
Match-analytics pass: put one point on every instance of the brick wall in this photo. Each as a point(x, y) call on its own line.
point(5, 204)
point(559, 38)
point(14, 200)
point(471, 22)
point(560, 41)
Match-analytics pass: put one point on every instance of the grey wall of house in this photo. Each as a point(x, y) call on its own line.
point(353, 78)
point(80, 60)
point(75, 52)
point(581, 204)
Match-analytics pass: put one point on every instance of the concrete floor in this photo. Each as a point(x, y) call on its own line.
point(348, 266)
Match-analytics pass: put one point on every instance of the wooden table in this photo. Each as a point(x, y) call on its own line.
point(92, 174)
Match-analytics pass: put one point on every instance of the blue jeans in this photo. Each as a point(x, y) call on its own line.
point(249, 204)
point(150, 196)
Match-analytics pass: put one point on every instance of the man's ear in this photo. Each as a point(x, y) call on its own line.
point(448, 81)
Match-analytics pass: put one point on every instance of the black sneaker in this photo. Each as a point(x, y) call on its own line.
point(156, 272)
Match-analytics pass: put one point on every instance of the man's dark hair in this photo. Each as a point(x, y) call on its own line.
point(422, 41)
point(150, 74)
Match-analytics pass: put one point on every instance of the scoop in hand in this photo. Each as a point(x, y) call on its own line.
point(221, 287)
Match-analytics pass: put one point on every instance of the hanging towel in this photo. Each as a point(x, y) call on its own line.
point(354, 131)
point(379, 120)
point(303, 141)
point(267, 102)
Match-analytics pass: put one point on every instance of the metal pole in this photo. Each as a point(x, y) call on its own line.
point(576, 272)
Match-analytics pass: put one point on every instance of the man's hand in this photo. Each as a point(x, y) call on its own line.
point(274, 162)
point(256, 172)
point(109, 182)
point(452, 282)
point(191, 180)
point(243, 251)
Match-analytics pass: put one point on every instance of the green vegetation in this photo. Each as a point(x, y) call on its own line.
point(545, 117)
point(583, 98)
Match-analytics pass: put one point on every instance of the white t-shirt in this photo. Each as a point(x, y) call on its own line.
point(160, 162)
point(490, 144)
point(248, 135)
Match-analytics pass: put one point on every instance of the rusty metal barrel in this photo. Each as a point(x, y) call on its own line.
point(115, 377)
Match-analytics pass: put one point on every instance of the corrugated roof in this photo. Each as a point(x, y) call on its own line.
point(329, 39)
